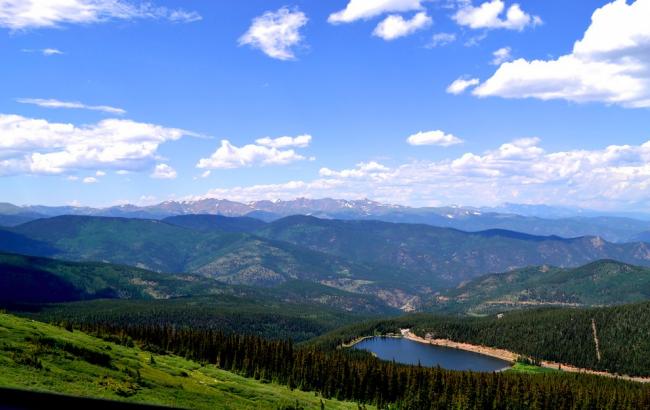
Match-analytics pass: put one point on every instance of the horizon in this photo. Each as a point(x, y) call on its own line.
point(432, 102)
point(211, 204)
point(498, 209)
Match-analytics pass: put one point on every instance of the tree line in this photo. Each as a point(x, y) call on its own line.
point(362, 378)
point(560, 335)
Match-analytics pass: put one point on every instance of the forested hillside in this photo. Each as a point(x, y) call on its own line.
point(296, 311)
point(599, 283)
point(28, 280)
point(560, 335)
point(231, 257)
point(216, 223)
point(363, 378)
point(404, 265)
point(446, 254)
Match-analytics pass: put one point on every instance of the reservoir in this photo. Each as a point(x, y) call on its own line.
point(410, 352)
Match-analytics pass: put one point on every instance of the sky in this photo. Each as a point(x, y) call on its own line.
point(413, 102)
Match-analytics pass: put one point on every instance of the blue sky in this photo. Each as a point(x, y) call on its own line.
point(105, 102)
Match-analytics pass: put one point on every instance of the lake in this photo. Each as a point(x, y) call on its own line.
point(409, 352)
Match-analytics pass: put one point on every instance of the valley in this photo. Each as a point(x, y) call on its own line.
point(325, 205)
point(192, 285)
point(405, 265)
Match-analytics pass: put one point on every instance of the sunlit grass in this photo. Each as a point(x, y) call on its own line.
point(132, 375)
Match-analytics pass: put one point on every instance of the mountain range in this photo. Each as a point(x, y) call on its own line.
point(401, 264)
point(531, 219)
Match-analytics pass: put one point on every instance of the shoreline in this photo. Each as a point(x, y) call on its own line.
point(502, 354)
point(361, 339)
point(512, 357)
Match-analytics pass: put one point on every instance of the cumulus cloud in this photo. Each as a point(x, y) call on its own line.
point(301, 141)
point(364, 9)
point(501, 55)
point(52, 103)
point(610, 64)
point(461, 84)
point(488, 16)
point(276, 33)
point(30, 14)
point(614, 177)
point(37, 146)
point(436, 137)
point(266, 151)
point(372, 170)
point(90, 180)
point(164, 171)
point(441, 39)
point(395, 26)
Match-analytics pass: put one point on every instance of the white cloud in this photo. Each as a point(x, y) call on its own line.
point(267, 151)
point(441, 39)
point(372, 169)
point(461, 84)
point(488, 16)
point(90, 180)
point(51, 51)
point(145, 200)
point(502, 55)
point(615, 177)
point(100, 173)
point(300, 141)
point(395, 26)
point(436, 137)
point(51, 103)
point(365, 9)
point(276, 33)
point(179, 15)
point(475, 40)
point(164, 171)
point(610, 64)
point(36, 146)
point(45, 51)
point(29, 14)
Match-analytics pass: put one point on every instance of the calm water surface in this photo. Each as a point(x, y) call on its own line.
point(410, 352)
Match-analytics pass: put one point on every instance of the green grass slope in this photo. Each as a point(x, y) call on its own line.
point(599, 283)
point(42, 357)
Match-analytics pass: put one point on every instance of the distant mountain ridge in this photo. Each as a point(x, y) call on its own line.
point(400, 263)
point(444, 254)
point(531, 219)
point(230, 255)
